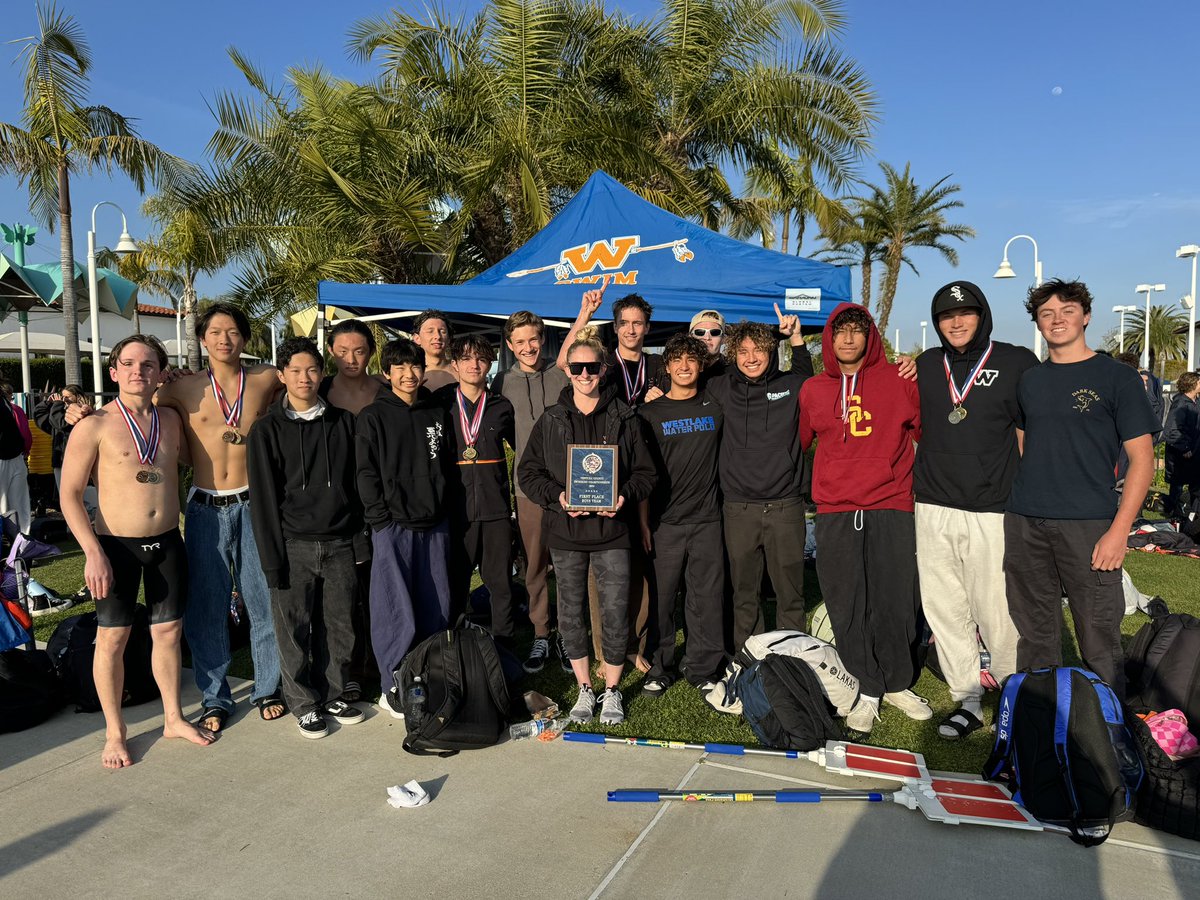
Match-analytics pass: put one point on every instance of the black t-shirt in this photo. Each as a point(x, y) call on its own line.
point(1076, 416)
point(655, 375)
point(685, 438)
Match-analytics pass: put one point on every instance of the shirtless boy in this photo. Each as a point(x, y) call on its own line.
point(431, 331)
point(132, 450)
point(351, 344)
point(218, 407)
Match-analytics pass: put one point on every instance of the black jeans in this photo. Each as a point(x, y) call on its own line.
point(611, 568)
point(867, 563)
point(1045, 558)
point(313, 624)
point(489, 546)
point(770, 533)
point(693, 554)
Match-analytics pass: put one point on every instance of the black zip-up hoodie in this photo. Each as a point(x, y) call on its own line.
point(478, 490)
point(402, 462)
point(543, 469)
point(301, 483)
point(761, 458)
point(971, 465)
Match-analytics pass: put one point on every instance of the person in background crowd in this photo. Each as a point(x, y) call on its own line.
point(401, 463)
point(132, 450)
point(1182, 437)
point(218, 408)
point(708, 326)
point(306, 514)
point(865, 418)
point(478, 493)
point(432, 332)
point(965, 466)
point(682, 533)
point(1063, 527)
point(532, 385)
point(579, 540)
point(15, 441)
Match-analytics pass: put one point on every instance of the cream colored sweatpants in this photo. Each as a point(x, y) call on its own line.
point(960, 558)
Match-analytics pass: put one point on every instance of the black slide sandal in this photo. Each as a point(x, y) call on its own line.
point(962, 722)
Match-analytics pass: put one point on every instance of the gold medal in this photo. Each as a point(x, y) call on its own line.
point(469, 454)
point(231, 437)
point(957, 415)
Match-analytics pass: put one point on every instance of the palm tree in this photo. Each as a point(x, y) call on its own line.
point(906, 216)
point(794, 199)
point(60, 135)
point(854, 238)
point(1168, 333)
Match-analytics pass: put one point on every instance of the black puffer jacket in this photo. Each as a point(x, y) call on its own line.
point(543, 469)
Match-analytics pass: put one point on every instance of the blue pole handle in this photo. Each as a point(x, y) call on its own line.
point(797, 796)
point(726, 749)
point(633, 796)
point(583, 737)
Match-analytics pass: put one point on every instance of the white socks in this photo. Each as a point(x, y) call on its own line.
point(409, 796)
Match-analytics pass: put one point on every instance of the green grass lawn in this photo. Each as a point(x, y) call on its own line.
point(681, 714)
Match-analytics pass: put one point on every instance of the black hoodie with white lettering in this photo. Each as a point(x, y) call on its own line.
point(969, 465)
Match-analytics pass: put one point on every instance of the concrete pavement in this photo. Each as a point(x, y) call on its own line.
point(264, 813)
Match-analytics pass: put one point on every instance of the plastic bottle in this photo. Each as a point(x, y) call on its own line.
point(414, 705)
point(534, 727)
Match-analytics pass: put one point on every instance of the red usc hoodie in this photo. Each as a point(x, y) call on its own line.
point(866, 424)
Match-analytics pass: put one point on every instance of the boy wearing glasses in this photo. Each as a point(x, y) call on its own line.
point(865, 418)
point(708, 326)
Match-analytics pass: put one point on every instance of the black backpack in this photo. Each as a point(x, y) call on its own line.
point(466, 694)
point(1189, 521)
point(1169, 798)
point(1064, 750)
point(783, 704)
point(72, 650)
point(1162, 666)
point(29, 690)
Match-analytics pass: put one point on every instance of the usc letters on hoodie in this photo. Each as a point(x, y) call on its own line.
point(865, 427)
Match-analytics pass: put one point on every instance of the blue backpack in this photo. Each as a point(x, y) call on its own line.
point(1064, 750)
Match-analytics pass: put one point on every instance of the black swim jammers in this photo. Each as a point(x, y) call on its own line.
point(160, 562)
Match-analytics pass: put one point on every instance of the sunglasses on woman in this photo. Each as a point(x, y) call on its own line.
point(706, 332)
point(584, 368)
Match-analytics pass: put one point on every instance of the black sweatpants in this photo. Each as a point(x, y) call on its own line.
point(313, 625)
point(487, 545)
point(1043, 558)
point(694, 554)
point(867, 563)
point(770, 533)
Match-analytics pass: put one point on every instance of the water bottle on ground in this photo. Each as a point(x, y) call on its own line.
point(535, 727)
point(414, 701)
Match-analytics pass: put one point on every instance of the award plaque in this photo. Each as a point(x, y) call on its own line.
point(592, 477)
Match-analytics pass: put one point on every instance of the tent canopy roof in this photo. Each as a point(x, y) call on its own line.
point(677, 266)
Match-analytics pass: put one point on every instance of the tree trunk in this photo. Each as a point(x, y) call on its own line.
point(137, 319)
point(799, 230)
point(189, 323)
point(887, 289)
point(866, 277)
point(69, 301)
point(785, 233)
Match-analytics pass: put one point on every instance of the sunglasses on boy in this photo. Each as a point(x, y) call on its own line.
point(585, 368)
point(706, 332)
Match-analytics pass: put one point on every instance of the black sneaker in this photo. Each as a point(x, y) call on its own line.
point(312, 725)
point(655, 687)
point(49, 602)
point(343, 713)
point(561, 652)
point(536, 660)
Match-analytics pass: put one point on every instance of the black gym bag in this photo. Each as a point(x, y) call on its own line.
point(72, 650)
point(29, 690)
point(1162, 667)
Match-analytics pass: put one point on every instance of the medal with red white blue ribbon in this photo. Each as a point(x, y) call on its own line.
point(147, 445)
point(633, 387)
point(470, 429)
point(957, 396)
point(232, 413)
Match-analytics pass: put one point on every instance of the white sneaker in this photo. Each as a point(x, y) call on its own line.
point(912, 705)
point(864, 715)
point(585, 705)
point(386, 701)
point(612, 711)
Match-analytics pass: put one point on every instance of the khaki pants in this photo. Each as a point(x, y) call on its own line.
point(960, 558)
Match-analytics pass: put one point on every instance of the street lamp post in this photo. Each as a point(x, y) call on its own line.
point(1122, 310)
point(1006, 271)
point(1191, 250)
point(1147, 289)
point(923, 325)
point(125, 244)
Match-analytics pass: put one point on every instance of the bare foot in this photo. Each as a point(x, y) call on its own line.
point(639, 662)
point(189, 732)
point(115, 754)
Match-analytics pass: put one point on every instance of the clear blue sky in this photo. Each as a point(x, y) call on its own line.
point(1104, 173)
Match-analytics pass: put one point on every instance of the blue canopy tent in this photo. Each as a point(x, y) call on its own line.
point(606, 229)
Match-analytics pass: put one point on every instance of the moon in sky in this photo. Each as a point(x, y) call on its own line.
point(1056, 90)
